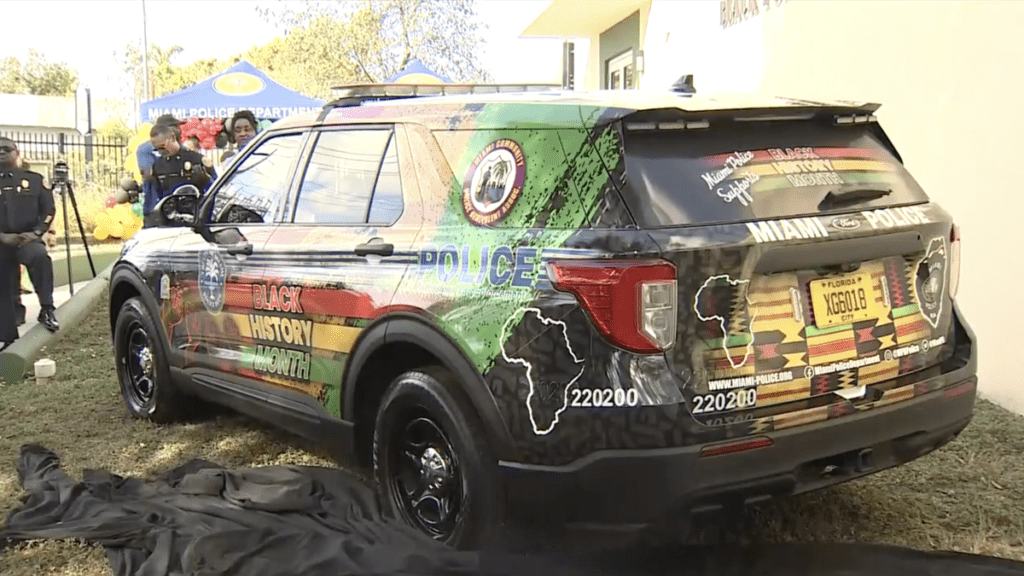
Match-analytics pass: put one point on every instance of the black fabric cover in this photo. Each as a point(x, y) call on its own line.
point(202, 519)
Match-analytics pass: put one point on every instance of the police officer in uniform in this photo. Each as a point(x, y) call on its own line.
point(26, 210)
point(177, 165)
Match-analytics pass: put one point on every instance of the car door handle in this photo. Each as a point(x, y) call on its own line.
point(378, 248)
point(242, 248)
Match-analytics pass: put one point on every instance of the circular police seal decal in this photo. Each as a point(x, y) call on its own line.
point(211, 279)
point(494, 182)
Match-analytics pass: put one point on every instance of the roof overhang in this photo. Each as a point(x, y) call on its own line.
point(579, 18)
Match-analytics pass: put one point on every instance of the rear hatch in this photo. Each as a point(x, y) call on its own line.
point(810, 262)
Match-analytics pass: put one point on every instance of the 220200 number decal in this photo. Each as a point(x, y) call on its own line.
point(604, 398)
point(722, 401)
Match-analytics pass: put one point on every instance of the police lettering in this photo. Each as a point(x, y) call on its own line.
point(277, 298)
point(778, 230)
point(893, 217)
point(282, 362)
point(476, 265)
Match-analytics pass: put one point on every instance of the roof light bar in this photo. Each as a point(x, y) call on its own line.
point(692, 125)
point(856, 119)
point(413, 90)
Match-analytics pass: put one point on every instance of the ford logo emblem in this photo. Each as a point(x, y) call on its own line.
point(845, 223)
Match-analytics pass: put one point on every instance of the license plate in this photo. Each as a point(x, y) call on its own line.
point(843, 300)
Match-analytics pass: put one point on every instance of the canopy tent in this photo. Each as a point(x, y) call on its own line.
point(416, 73)
point(241, 87)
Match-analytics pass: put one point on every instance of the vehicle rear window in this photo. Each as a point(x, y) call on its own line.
point(755, 171)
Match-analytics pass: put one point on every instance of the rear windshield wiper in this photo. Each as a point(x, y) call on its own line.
point(852, 196)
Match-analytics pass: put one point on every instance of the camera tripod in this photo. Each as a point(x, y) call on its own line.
point(67, 190)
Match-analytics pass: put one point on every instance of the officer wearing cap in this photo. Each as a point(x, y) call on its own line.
point(26, 210)
point(176, 166)
point(146, 156)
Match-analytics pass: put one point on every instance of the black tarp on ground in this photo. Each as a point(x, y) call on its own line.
point(201, 519)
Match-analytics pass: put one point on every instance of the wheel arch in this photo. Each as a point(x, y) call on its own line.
point(125, 283)
point(419, 343)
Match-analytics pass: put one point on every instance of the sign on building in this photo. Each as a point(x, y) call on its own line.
point(735, 11)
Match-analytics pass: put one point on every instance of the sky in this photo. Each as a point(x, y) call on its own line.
point(86, 33)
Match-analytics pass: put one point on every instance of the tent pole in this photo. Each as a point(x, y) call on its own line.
point(145, 56)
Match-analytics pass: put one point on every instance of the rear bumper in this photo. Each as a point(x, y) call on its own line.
point(639, 487)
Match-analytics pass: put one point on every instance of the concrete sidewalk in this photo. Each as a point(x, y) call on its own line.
point(61, 294)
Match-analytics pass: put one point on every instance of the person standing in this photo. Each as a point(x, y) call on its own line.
point(50, 238)
point(176, 166)
point(243, 129)
point(26, 211)
point(146, 156)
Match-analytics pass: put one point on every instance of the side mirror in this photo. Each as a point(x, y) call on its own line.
point(179, 209)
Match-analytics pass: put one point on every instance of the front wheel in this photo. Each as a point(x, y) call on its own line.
point(142, 367)
point(432, 462)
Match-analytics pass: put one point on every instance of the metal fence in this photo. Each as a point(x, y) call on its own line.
point(91, 159)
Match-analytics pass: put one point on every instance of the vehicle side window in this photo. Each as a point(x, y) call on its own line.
point(258, 190)
point(387, 204)
point(341, 176)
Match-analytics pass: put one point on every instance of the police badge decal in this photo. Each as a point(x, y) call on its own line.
point(493, 182)
point(212, 273)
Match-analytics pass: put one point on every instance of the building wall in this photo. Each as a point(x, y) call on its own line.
point(948, 75)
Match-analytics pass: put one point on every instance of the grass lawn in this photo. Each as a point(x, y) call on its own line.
point(965, 497)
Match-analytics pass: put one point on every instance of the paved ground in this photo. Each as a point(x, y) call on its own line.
point(62, 294)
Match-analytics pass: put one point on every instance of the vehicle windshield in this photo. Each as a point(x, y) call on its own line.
point(759, 171)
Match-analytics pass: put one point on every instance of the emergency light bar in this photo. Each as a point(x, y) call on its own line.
point(856, 119)
point(383, 91)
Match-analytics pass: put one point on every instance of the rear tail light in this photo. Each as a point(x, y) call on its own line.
point(954, 260)
point(632, 303)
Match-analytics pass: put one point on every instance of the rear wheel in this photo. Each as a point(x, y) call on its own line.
point(142, 367)
point(432, 463)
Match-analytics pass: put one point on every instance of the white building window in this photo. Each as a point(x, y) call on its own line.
point(622, 72)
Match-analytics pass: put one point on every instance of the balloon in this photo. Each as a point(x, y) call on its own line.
point(116, 230)
point(110, 203)
point(100, 233)
point(137, 209)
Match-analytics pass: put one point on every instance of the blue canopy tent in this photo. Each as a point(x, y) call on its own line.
point(416, 73)
point(241, 87)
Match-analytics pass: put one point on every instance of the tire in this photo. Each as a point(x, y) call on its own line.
point(428, 436)
point(142, 367)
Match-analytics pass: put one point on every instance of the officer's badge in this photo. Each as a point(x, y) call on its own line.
point(188, 166)
point(24, 183)
point(212, 273)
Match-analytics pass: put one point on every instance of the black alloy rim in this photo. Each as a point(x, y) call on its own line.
point(139, 365)
point(425, 478)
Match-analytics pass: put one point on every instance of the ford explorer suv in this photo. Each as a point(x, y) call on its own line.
point(609, 308)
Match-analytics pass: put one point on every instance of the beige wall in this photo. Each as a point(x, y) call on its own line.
point(949, 77)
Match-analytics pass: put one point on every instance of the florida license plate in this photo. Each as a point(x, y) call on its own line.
point(843, 300)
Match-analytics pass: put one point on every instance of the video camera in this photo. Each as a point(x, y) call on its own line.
point(61, 173)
